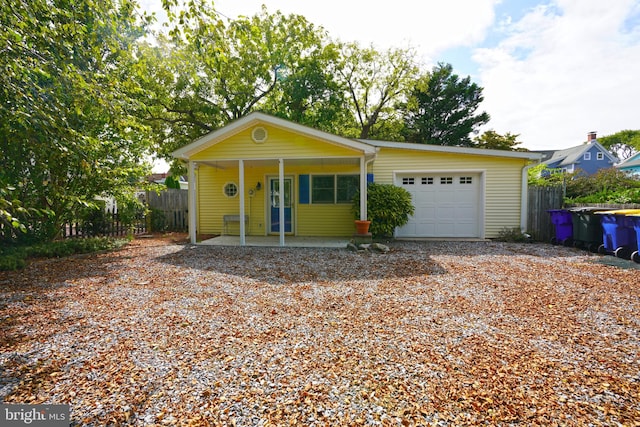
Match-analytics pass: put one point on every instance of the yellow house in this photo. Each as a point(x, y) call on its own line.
point(272, 172)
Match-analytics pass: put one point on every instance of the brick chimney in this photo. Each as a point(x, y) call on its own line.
point(591, 137)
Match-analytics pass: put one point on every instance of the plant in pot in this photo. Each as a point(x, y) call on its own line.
point(388, 207)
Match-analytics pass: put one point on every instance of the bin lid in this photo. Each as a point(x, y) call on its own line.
point(620, 212)
point(590, 209)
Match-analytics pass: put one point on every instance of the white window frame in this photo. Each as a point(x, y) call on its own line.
point(587, 155)
point(600, 155)
point(229, 184)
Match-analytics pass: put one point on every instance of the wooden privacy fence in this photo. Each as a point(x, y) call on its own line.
point(540, 200)
point(169, 209)
point(104, 223)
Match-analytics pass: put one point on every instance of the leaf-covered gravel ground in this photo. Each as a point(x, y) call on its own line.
point(432, 333)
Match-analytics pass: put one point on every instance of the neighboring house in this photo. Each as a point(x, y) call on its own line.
point(254, 166)
point(159, 178)
point(588, 157)
point(631, 165)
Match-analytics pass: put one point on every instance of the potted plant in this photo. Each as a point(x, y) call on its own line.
point(362, 226)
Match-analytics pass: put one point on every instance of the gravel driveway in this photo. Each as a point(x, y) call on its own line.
point(441, 334)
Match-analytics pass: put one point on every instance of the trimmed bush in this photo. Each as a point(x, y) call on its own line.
point(388, 207)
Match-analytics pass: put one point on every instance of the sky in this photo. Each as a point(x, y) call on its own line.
point(551, 70)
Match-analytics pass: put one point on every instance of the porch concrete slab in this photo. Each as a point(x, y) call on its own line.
point(274, 241)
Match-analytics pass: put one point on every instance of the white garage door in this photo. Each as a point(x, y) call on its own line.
point(446, 205)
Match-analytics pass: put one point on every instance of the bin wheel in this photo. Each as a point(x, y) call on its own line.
point(623, 252)
point(567, 242)
point(578, 244)
point(635, 257)
point(593, 247)
point(602, 250)
point(554, 241)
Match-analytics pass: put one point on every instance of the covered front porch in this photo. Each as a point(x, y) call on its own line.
point(268, 193)
point(265, 176)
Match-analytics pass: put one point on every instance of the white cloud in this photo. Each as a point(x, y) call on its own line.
point(562, 72)
point(429, 26)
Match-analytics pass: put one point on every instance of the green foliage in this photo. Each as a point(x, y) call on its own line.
point(541, 176)
point(374, 82)
point(605, 186)
point(172, 182)
point(68, 98)
point(442, 109)
point(215, 70)
point(513, 235)
point(603, 182)
point(388, 207)
point(494, 141)
point(14, 257)
point(158, 220)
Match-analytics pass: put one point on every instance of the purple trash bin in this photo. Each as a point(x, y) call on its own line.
point(561, 219)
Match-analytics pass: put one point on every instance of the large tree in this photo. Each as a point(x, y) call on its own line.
point(214, 70)
point(376, 81)
point(442, 109)
point(67, 94)
point(494, 141)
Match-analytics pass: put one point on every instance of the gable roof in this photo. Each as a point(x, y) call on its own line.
point(255, 118)
point(570, 156)
point(530, 155)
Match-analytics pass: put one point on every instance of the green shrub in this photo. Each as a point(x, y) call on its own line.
point(513, 235)
point(604, 186)
point(158, 220)
point(388, 207)
point(12, 258)
point(11, 262)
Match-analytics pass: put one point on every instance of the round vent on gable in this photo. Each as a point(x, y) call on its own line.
point(259, 134)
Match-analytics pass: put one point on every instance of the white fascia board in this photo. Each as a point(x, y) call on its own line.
point(455, 150)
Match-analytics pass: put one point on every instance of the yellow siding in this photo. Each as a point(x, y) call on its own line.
point(309, 219)
point(280, 143)
point(503, 179)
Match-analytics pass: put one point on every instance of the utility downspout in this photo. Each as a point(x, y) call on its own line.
point(192, 202)
point(524, 197)
point(363, 186)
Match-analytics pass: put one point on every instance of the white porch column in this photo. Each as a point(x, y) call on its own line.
point(281, 199)
point(241, 190)
point(363, 189)
point(192, 202)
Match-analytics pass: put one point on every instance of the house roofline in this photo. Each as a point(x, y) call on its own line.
point(251, 119)
point(529, 155)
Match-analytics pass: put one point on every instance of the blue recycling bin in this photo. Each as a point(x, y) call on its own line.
point(635, 221)
point(619, 236)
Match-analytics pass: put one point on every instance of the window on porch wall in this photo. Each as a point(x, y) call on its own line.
point(334, 189)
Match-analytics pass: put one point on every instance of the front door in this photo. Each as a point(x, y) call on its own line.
point(274, 203)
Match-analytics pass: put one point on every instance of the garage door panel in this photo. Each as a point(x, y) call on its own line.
point(446, 205)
